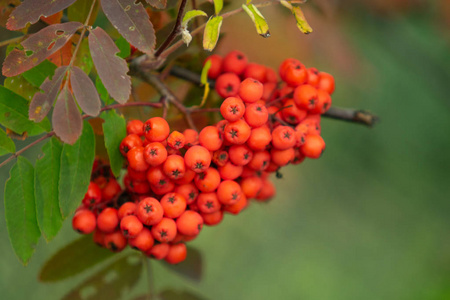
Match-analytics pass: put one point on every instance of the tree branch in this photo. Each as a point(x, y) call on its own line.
point(175, 30)
point(346, 114)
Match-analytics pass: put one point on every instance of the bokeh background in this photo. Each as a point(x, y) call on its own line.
point(370, 219)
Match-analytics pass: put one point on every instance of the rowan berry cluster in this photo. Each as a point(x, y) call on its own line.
point(179, 181)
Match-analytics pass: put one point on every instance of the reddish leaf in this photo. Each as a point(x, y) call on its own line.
point(31, 10)
point(38, 47)
point(66, 119)
point(53, 19)
point(111, 69)
point(62, 56)
point(6, 7)
point(133, 23)
point(85, 92)
point(43, 102)
point(159, 4)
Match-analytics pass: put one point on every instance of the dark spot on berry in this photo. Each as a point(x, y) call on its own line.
point(113, 246)
point(234, 196)
point(153, 152)
point(125, 232)
point(191, 195)
point(239, 56)
point(202, 175)
point(163, 233)
point(147, 128)
point(229, 88)
point(199, 227)
point(177, 143)
point(209, 204)
point(233, 133)
point(172, 199)
point(126, 149)
point(265, 163)
point(199, 165)
point(176, 173)
point(162, 182)
point(258, 108)
point(246, 156)
point(234, 110)
point(222, 156)
point(312, 102)
point(148, 208)
point(287, 135)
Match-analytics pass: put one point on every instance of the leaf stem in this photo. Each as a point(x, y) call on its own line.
point(175, 30)
point(10, 41)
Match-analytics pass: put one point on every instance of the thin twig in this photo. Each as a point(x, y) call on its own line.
point(52, 133)
point(10, 41)
point(175, 30)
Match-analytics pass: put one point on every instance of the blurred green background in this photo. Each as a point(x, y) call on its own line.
point(370, 219)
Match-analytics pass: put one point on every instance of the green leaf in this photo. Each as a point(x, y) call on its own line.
point(178, 295)
point(102, 91)
point(14, 114)
point(83, 60)
point(46, 180)
point(218, 5)
point(258, 19)
point(114, 130)
point(302, 24)
point(211, 34)
point(38, 74)
point(192, 14)
point(20, 210)
point(204, 81)
point(112, 282)
point(124, 47)
point(80, 255)
point(191, 267)
point(19, 85)
point(6, 143)
point(75, 172)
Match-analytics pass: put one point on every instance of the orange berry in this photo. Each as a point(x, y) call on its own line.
point(174, 205)
point(237, 132)
point(282, 157)
point(158, 251)
point(108, 220)
point(251, 186)
point(174, 167)
point(230, 171)
point(165, 231)
point(216, 66)
point(208, 180)
point(135, 127)
point(227, 85)
point(149, 211)
point(197, 158)
point(190, 223)
point(305, 97)
point(127, 209)
point(188, 191)
point(313, 147)
point(251, 90)
point(156, 129)
point(220, 157)
point(256, 114)
point(208, 203)
point(259, 138)
point(283, 137)
point(155, 154)
point(129, 142)
point(229, 192)
point(84, 221)
point(256, 71)
point(212, 218)
point(326, 82)
point(191, 137)
point(115, 241)
point(235, 61)
point(176, 140)
point(177, 253)
point(232, 109)
point(136, 159)
point(267, 191)
point(130, 226)
point(143, 241)
point(260, 160)
point(240, 155)
point(237, 207)
point(210, 138)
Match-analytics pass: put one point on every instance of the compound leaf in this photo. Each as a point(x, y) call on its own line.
point(211, 33)
point(66, 118)
point(14, 114)
point(111, 69)
point(114, 130)
point(80, 255)
point(75, 172)
point(31, 10)
point(85, 92)
point(20, 210)
point(38, 47)
point(6, 143)
point(132, 22)
point(43, 101)
point(111, 282)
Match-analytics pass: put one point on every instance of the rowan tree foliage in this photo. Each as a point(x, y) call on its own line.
point(65, 72)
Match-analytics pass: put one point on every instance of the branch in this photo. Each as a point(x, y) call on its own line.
point(346, 114)
point(52, 133)
point(175, 30)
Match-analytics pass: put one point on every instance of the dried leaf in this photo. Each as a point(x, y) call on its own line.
point(258, 19)
point(78, 256)
point(20, 210)
point(43, 102)
point(38, 47)
point(159, 4)
point(212, 31)
point(111, 282)
point(75, 172)
point(66, 118)
point(31, 10)
point(6, 143)
point(132, 22)
point(85, 92)
point(111, 69)
point(46, 179)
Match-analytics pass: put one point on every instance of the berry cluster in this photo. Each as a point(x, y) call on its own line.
point(178, 181)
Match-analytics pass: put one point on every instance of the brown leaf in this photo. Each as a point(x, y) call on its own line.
point(66, 119)
point(31, 10)
point(42, 102)
point(132, 22)
point(85, 92)
point(6, 7)
point(38, 47)
point(159, 4)
point(111, 69)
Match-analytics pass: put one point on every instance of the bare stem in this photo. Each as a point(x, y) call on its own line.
point(175, 30)
point(10, 41)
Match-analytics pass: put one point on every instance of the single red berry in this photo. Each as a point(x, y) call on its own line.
point(131, 226)
point(227, 85)
point(93, 195)
point(251, 90)
point(235, 62)
point(156, 129)
point(115, 241)
point(149, 211)
point(165, 231)
point(143, 241)
point(108, 220)
point(177, 253)
point(135, 127)
point(190, 223)
point(84, 221)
